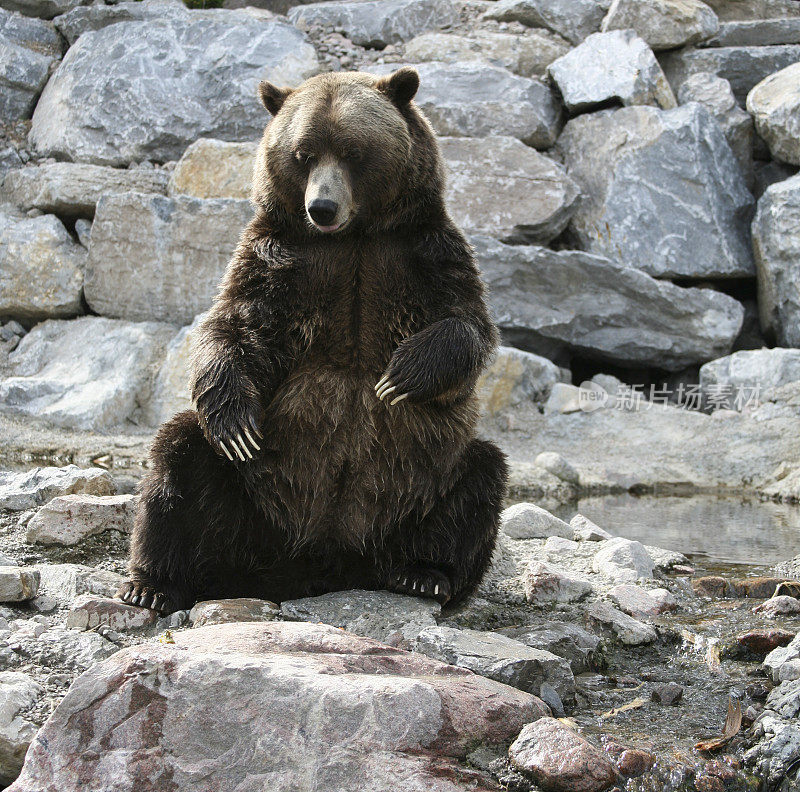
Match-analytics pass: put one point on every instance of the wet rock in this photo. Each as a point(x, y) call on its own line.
point(762, 587)
point(712, 586)
point(20, 491)
point(242, 609)
point(777, 749)
point(775, 106)
point(528, 521)
point(549, 301)
point(558, 466)
point(501, 187)
point(572, 19)
point(88, 373)
point(757, 33)
point(499, 657)
point(762, 642)
point(778, 606)
point(69, 519)
point(669, 694)
point(785, 699)
point(630, 162)
point(559, 759)
point(642, 603)
point(383, 710)
point(18, 692)
point(663, 24)
point(584, 530)
point(634, 762)
point(214, 169)
point(611, 66)
point(42, 268)
point(112, 99)
point(752, 369)
point(88, 612)
point(391, 618)
point(614, 623)
point(371, 23)
point(29, 49)
point(545, 583)
point(65, 582)
point(623, 560)
point(516, 377)
point(573, 643)
point(18, 584)
point(72, 189)
point(135, 234)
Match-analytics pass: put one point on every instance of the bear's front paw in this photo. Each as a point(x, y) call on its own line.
point(142, 595)
point(230, 426)
point(408, 375)
point(421, 581)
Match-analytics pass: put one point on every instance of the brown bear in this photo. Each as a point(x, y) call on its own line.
point(333, 443)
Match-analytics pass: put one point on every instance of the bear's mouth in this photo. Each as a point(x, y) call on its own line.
point(331, 229)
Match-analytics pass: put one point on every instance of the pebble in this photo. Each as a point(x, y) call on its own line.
point(669, 694)
point(584, 530)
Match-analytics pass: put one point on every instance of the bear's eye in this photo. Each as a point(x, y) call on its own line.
point(354, 155)
point(303, 157)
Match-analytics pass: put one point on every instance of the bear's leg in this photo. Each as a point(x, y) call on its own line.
point(445, 553)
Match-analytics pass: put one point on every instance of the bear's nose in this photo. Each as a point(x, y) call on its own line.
point(323, 211)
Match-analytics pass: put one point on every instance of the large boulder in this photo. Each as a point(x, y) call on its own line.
point(18, 694)
point(753, 368)
point(29, 48)
point(757, 33)
point(41, 268)
point(775, 106)
point(514, 377)
point(278, 706)
point(145, 90)
point(550, 301)
point(572, 19)
point(662, 191)
point(501, 187)
point(376, 23)
point(161, 259)
point(88, 373)
point(214, 169)
point(20, 491)
point(754, 9)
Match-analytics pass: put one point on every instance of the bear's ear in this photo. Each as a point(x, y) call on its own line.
point(272, 97)
point(400, 86)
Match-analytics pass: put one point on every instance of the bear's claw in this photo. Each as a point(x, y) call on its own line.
point(385, 387)
point(240, 446)
point(144, 596)
point(421, 581)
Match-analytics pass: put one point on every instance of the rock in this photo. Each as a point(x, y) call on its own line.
point(65, 582)
point(20, 491)
point(566, 640)
point(478, 100)
point(88, 373)
point(608, 66)
point(69, 519)
point(88, 612)
point(364, 716)
point(528, 55)
point(546, 584)
point(743, 67)
point(762, 642)
point(515, 377)
point(42, 268)
point(550, 301)
point(751, 370)
point(134, 234)
point(558, 466)
point(372, 23)
point(777, 750)
point(498, 657)
point(615, 624)
point(564, 398)
point(18, 584)
point(45, 9)
point(214, 169)
point(500, 187)
point(642, 603)
point(62, 648)
point(630, 162)
point(584, 530)
point(777, 252)
point(712, 586)
point(233, 610)
point(757, 33)
point(572, 19)
point(775, 106)
point(72, 189)
point(781, 605)
point(634, 762)
point(663, 24)
point(669, 694)
point(715, 94)
point(754, 9)
point(528, 521)
point(112, 99)
point(391, 618)
point(623, 560)
point(18, 693)
point(30, 48)
point(559, 759)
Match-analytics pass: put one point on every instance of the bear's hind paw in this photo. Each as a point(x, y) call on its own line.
point(421, 581)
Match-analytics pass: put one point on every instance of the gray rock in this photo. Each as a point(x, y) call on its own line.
point(18, 584)
point(743, 67)
point(619, 626)
point(20, 491)
point(83, 230)
point(778, 657)
point(88, 612)
point(623, 560)
point(376, 23)
point(584, 530)
point(214, 169)
point(642, 603)
point(18, 693)
point(88, 373)
point(515, 377)
point(139, 267)
point(548, 301)
point(776, 243)
point(757, 33)
point(572, 19)
point(66, 582)
point(752, 369)
point(500, 187)
point(113, 98)
point(611, 66)
point(239, 609)
point(29, 48)
point(73, 189)
point(754, 9)
point(64, 649)
point(566, 640)
point(777, 748)
point(631, 163)
point(500, 658)
point(546, 584)
point(775, 106)
point(69, 519)
point(559, 467)
point(45, 9)
point(41, 268)
point(663, 24)
point(390, 618)
point(528, 521)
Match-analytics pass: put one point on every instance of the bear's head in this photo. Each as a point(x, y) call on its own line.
point(347, 150)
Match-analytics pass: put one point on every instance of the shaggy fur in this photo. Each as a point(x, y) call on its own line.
point(346, 491)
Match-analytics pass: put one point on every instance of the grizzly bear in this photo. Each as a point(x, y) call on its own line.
point(333, 443)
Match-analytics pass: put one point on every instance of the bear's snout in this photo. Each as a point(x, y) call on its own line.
point(329, 196)
point(323, 211)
